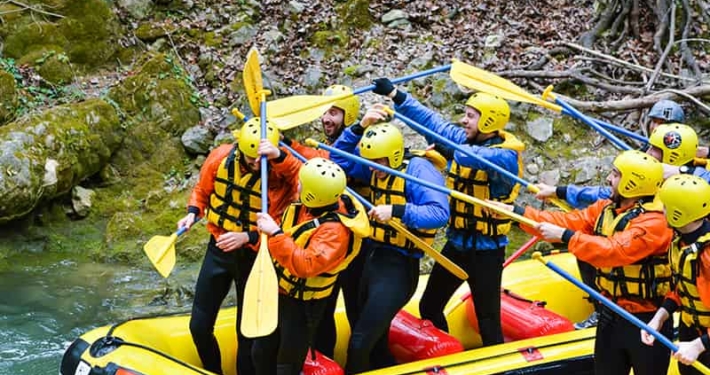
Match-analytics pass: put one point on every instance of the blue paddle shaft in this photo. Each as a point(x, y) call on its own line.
point(423, 129)
point(606, 302)
point(616, 129)
point(352, 192)
point(580, 116)
point(381, 167)
point(410, 77)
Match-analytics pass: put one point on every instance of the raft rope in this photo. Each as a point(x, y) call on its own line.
point(109, 339)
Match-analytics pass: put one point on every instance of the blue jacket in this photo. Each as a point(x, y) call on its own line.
point(500, 185)
point(425, 208)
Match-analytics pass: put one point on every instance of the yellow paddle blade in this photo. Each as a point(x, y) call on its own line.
point(482, 80)
point(437, 256)
point(161, 252)
point(260, 313)
point(297, 110)
point(253, 84)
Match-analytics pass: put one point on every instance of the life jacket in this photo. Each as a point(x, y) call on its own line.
point(321, 286)
point(390, 191)
point(648, 279)
point(474, 182)
point(236, 198)
point(685, 266)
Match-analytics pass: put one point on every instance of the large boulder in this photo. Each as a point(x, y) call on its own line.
point(45, 155)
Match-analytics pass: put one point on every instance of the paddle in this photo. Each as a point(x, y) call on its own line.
point(614, 307)
point(579, 116)
point(295, 110)
point(526, 246)
point(253, 84)
point(444, 261)
point(161, 251)
point(422, 129)
point(453, 193)
point(260, 309)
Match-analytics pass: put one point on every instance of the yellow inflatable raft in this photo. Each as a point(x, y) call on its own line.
point(163, 345)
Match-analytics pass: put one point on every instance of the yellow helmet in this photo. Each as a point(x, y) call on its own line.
point(250, 135)
point(383, 140)
point(349, 105)
point(322, 182)
point(686, 198)
point(678, 143)
point(641, 174)
point(494, 110)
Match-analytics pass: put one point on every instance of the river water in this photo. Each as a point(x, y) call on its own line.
point(48, 300)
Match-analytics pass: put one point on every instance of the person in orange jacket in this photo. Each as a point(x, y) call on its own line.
point(342, 114)
point(228, 194)
point(625, 238)
point(318, 238)
point(686, 199)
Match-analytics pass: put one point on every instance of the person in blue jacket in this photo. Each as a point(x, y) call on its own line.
point(476, 239)
point(391, 272)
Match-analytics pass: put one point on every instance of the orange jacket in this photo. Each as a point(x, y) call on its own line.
point(327, 247)
point(646, 235)
point(283, 185)
point(309, 152)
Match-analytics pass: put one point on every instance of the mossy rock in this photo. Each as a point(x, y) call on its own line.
point(87, 33)
point(149, 32)
point(356, 14)
point(159, 93)
point(8, 96)
point(34, 37)
point(45, 155)
point(330, 41)
point(56, 70)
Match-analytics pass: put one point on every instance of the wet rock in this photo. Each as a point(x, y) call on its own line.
point(81, 201)
point(532, 168)
point(394, 15)
point(551, 177)
point(242, 35)
point(540, 128)
point(139, 9)
point(197, 140)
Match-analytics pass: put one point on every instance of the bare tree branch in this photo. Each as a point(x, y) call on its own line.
point(659, 64)
point(29, 7)
point(642, 102)
point(622, 62)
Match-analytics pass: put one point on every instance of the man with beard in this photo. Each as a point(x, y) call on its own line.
point(341, 115)
point(228, 194)
point(626, 238)
point(476, 240)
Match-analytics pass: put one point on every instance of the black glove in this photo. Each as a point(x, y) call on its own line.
point(383, 86)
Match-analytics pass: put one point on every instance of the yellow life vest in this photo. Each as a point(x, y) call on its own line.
point(321, 286)
point(390, 191)
point(236, 198)
point(685, 268)
point(474, 182)
point(648, 279)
